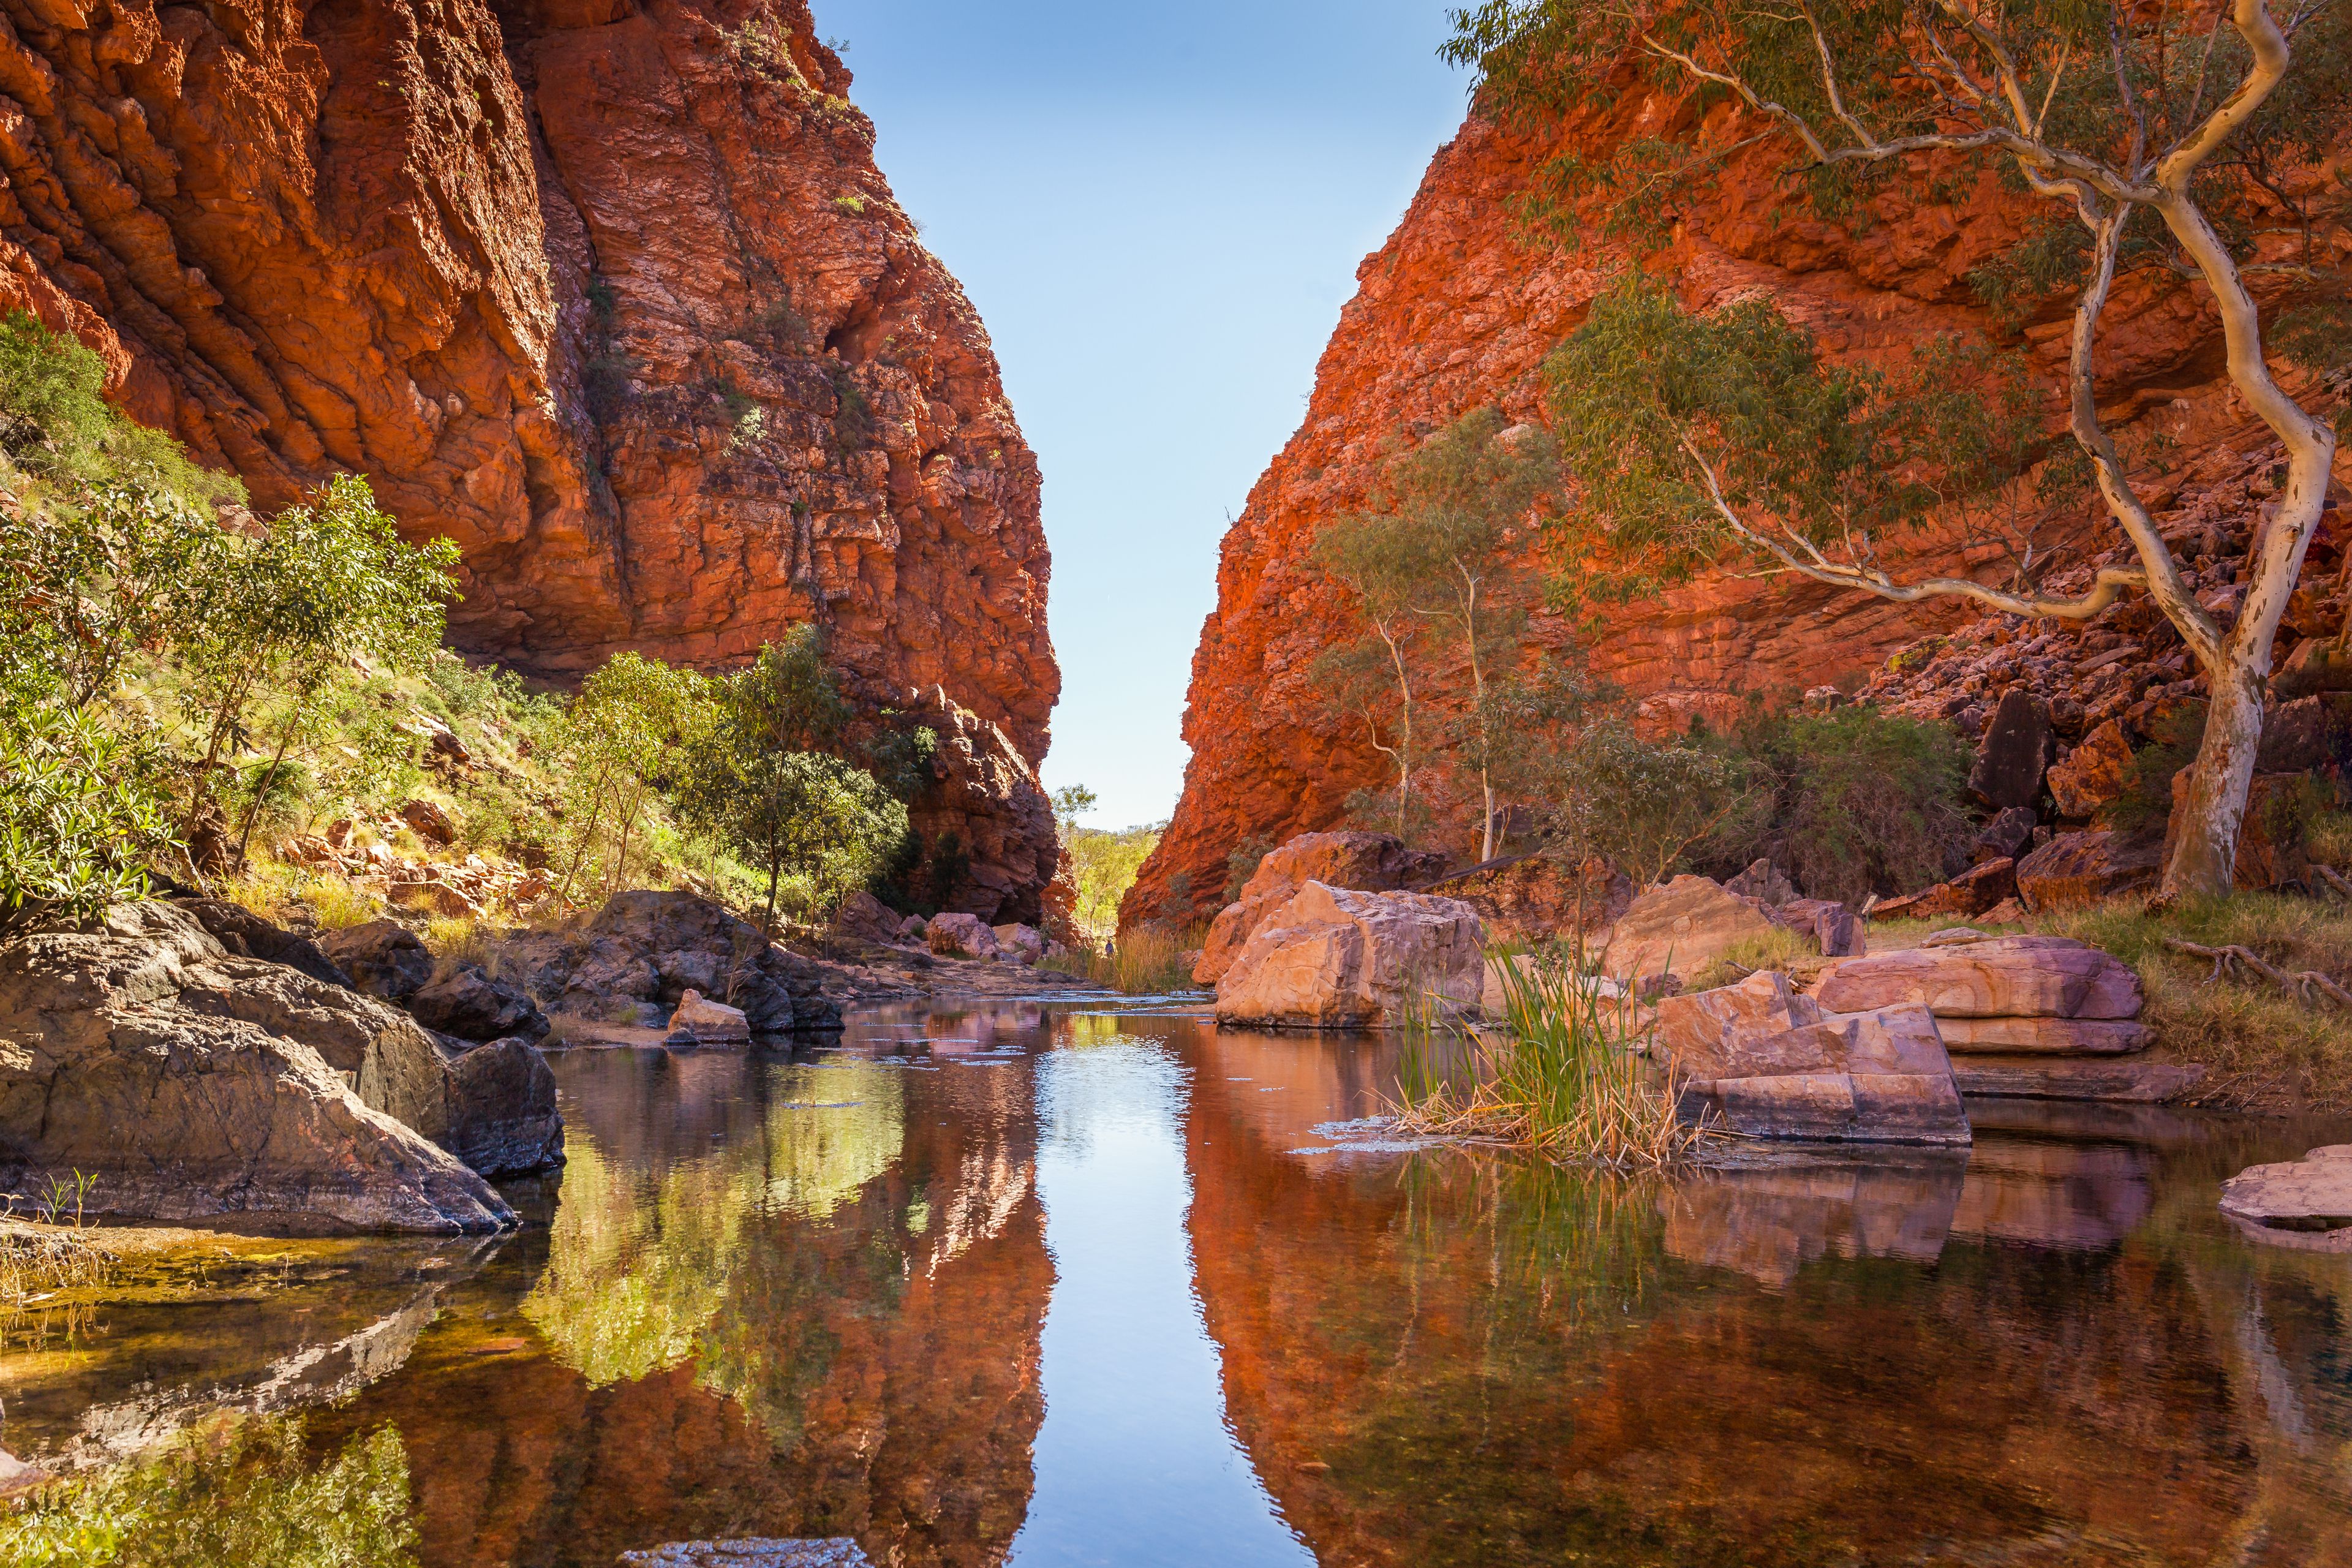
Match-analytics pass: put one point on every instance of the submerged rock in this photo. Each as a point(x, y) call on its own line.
point(194, 1084)
point(2310, 1195)
point(1335, 958)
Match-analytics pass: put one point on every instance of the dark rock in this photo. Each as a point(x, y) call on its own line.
point(196, 1084)
point(1834, 929)
point(2305, 735)
point(2316, 665)
point(502, 1119)
point(1966, 896)
point(1764, 880)
point(468, 1003)
point(1535, 898)
point(2006, 836)
point(2016, 752)
point(648, 949)
point(862, 917)
point(2083, 867)
point(247, 935)
point(382, 958)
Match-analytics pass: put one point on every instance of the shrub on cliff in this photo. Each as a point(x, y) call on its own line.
point(1695, 434)
point(55, 422)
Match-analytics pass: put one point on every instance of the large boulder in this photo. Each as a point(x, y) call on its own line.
point(1969, 894)
point(1022, 944)
point(1683, 926)
point(2015, 752)
point(1764, 1060)
point(383, 958)
point(2011, 976)
point(468, 1003)
point(502, 1117)
point(862, 917)
point(645, 950)
point(194, 1084)
point(964, 936)
point(699, 1021)
point(2085, 868)
point(248, 935)
point(1366, 862)
point(1336, 958)
point(1832, 928)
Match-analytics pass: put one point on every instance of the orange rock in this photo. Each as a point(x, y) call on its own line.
point(2092, 776)
point(613, 298)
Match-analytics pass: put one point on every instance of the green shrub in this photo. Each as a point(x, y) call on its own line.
point(56, 421)
point(82, 811)
point(1850, 802)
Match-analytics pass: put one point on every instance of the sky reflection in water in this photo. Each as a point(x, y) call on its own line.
point(1011, 1284)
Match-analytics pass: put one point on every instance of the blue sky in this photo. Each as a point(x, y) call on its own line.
point(1159, 211)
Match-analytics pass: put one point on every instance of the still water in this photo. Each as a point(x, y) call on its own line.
point(1047, 1286)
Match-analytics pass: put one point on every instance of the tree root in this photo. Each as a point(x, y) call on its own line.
point(2336, 881)
point(2306, 984)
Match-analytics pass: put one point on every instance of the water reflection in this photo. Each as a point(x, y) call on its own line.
point(1018, 1284)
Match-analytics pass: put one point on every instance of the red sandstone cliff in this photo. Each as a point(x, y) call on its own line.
point(611, 293)
point(1453, 312)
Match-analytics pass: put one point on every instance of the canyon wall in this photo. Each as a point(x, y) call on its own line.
point(609, 292)
point(1456, 312)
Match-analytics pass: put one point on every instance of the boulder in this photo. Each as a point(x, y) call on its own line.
point(2093, 776)
point(1966, 896)
point(1336, 958)
point(1021, 943)
point(2313, 1193)
point(428, 822)
point(1763, 880)
point(2316, 665)
point(196, 1084)
point(699, 1021)
point(1534, 898)
point(468, 1003)
point(2015, 750)
point(1763, 1060)
point(1687, 923)
point(2271, 850)
point(382, 958)
point(862, 917)
point(914, 928)
point(2303, 736)
point(2008, 977)
point(2083, 867)
point(645, 950)
point(1367, 862)
point(964, 936)
point(2045, 1036)
point(2006, 836)
point(247, 935)
point(501, 1113)
point(1834, 930)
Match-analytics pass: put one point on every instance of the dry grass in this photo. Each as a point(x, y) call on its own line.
point(2264, 1048)
point(1561, 1078)
point(38, 1258)
point(1149, 961)
point(337, 904)
point(1778, 949)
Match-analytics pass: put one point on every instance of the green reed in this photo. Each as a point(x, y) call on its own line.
point(1562, 1074)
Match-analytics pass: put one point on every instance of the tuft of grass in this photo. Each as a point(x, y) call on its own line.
point(1563, 1076)
point(38, 1258)
point(1150, 960)
point(1776, 949)
point(337, 904)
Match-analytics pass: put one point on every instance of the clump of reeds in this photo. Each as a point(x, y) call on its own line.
point(1149, 959)
point(1561, 1075)
point(38, 1258)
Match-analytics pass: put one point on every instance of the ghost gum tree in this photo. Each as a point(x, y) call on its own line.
point(2181, 137)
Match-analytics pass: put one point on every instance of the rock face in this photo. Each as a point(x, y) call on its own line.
point(1335, 958)
point(1681, 928)
point(1366, 862)
point(611, 294)
point(1454, 312)
point(1765, 1061)
point(643, 950)
point(198, 1085)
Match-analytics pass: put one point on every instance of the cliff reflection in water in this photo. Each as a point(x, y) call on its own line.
point(1053, 1287)
point(2046, 1351)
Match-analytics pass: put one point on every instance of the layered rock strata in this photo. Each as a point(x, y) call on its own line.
point(610, 293)
point(1455, 311)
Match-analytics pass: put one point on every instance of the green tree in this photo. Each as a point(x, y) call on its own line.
point(625, 738)
point(1643, 806)
point(1103, 865)
point(1853, 801)
point(327, 581)
point(1384, 561)
point(2107, 111)
point(83, 809)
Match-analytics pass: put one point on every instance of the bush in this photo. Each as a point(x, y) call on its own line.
point(81, 813)
point(1849, 802)
point(56, 421)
